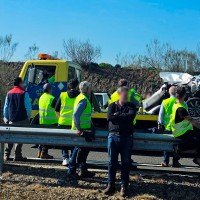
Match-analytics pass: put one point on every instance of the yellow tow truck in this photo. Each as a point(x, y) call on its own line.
point(36, 73)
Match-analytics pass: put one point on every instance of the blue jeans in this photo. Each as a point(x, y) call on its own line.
point(65, 152)
point(80, 155)
point(123, 146)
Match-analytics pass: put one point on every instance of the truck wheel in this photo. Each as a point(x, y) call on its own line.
point(194, 107)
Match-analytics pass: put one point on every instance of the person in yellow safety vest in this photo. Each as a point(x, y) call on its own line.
point(47, 116)
point(64, 110)
point(81, 122)
point(133, 96)
point(182, 126)
point(164, 123)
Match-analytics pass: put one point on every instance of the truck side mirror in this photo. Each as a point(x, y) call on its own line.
point(31, 75)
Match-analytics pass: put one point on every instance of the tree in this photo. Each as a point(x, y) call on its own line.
point(155, 52)
point(7, 48)
point(129, 60)
point(181, 61)
point(81, 52)
point(32, 52)
point(107, 65)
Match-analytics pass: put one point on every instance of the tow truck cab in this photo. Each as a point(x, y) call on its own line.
point(36, 73)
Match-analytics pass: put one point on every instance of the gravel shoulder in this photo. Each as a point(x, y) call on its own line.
point(49, 182)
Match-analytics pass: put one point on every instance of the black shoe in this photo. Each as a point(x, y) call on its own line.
point(124, 191)
point(73, 176)
point(109, 190)
point(176, 164)
point(86, 174)
point(197, 161)
point(46, 156)
point(20, 159)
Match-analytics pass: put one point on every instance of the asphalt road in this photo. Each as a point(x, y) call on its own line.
point(98, 156)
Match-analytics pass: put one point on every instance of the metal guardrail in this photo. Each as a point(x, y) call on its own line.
point(65, 137)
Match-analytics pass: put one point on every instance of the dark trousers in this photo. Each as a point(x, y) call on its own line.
point(191, 140)
point(43, 148)
point(123, 146)
point(18, 147)
point(78, 157)
point(166, 157)
point(65, 152)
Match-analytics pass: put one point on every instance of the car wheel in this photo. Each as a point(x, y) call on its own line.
point(194, 107)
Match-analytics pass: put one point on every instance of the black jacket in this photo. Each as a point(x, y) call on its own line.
point(121, 119)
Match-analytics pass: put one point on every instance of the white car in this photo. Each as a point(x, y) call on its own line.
point(102, 98)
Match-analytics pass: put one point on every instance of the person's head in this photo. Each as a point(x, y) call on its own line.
point(123, 94)
point(122, 82)
point(19, 82)
point(84, 87)
point(172, 91)
point(47, 88)
point(180, 93)
point(72, 84)
point(147, 95)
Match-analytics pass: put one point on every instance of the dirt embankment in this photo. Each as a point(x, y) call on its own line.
point(102, 79)
point(39, 182)
point(8, 71)
point(106, 79)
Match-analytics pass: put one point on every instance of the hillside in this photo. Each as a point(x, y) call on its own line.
point(102, 79)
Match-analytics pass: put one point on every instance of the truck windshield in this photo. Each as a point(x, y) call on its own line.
point(43, 74)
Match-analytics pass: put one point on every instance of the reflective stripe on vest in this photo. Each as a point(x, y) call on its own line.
point(168, 105)
point(85, 118)
point(115, 97)
point(182, 127)
point(67, 107)
point(66, 111)
point(46, 112)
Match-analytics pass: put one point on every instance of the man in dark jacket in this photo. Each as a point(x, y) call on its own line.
point(64, 109)
point(17, 110)
point(120, 140)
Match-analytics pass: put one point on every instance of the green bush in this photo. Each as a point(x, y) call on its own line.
point(107, 65)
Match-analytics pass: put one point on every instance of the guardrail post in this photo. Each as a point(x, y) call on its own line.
point(1, 158)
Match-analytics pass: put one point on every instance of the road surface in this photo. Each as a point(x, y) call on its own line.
point(98, 156)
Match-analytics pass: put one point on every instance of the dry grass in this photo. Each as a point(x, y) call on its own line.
point(146, 197)
point(32, 183)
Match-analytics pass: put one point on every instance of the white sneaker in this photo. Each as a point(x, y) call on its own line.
point(65, 162)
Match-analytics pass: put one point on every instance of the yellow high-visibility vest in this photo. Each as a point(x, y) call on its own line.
point(85, 119)
point(67, 108)
point(180, 128)
point(47, 114)
point(168, 106)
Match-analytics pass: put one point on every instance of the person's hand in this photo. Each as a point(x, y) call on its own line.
point(160, 127)
point(117, 113)
point(79, 132)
